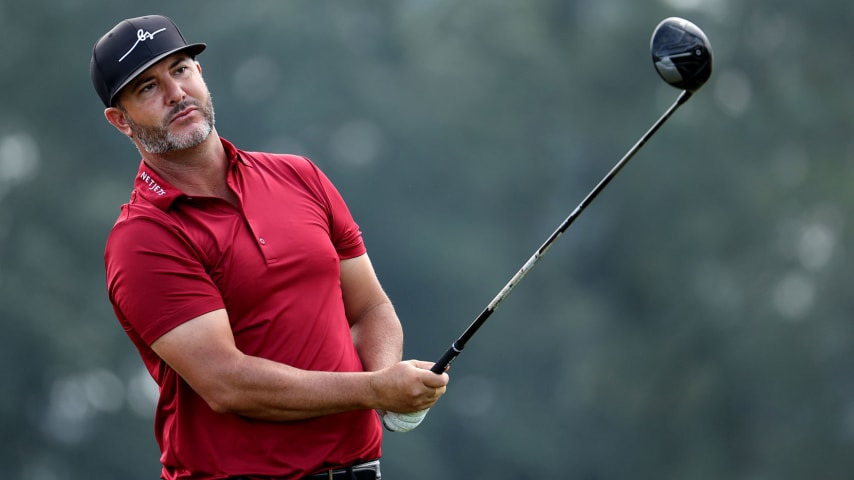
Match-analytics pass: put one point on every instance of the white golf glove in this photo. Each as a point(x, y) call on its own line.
point(403, 422)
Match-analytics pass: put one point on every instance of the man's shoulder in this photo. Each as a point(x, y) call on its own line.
point(285, 166)
point(277, 159)
point(140, 213)
point(266, 159)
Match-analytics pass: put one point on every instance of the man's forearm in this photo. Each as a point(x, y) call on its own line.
point(378, 337)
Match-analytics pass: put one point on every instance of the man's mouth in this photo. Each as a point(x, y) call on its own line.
point(182, 114)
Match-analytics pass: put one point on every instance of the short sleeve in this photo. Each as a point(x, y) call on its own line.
point(345, 233)
point(155, 280)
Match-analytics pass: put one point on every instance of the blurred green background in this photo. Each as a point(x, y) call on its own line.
point(694, 323)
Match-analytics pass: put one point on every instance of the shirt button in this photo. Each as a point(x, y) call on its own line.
point(262, 241)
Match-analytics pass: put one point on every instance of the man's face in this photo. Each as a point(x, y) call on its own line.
point(168, 106)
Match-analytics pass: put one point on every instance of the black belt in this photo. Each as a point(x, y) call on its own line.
point(362, 471)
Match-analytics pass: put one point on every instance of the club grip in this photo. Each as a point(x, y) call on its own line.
point(445, 362)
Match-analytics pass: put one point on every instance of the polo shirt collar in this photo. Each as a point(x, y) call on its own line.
point(160, 192)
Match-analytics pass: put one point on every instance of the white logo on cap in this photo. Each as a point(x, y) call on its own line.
point(141, 36)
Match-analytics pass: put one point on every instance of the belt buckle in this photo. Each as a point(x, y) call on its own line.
point(372, 466)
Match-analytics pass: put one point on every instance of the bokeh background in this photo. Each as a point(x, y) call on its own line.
point(694, 323)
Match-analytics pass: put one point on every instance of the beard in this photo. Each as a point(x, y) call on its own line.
point(158, 139)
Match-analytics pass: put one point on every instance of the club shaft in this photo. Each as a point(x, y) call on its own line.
point(459, 344)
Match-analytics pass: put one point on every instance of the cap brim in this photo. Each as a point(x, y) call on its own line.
point(193, 49)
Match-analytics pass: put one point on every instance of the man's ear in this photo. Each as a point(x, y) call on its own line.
point(118, 119)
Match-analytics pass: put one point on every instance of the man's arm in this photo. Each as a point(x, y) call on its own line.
point(375, 327)
point(203, 352)
point(376, 330)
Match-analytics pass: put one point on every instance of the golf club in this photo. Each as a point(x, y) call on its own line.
point(682, 56)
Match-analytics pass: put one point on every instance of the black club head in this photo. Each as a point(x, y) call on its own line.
point(681, 53)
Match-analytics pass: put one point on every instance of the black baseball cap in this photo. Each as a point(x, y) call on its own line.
point(132, 46)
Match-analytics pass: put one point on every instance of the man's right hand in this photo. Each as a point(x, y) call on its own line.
point(408, 387)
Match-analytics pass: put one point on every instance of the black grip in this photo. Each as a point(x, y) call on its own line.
point(445, 362)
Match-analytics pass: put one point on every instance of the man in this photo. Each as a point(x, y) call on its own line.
point(243, 281)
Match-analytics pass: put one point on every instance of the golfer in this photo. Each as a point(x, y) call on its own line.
point(243, 281)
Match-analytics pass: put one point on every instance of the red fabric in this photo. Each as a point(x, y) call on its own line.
point(274, 267)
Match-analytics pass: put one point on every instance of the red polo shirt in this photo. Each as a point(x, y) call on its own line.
point(273, 264)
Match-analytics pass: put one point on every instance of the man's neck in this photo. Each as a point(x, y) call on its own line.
point(197, 171)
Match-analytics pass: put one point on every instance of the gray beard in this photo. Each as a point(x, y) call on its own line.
point(159, 140)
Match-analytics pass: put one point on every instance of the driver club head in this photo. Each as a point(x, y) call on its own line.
point(681, 53)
